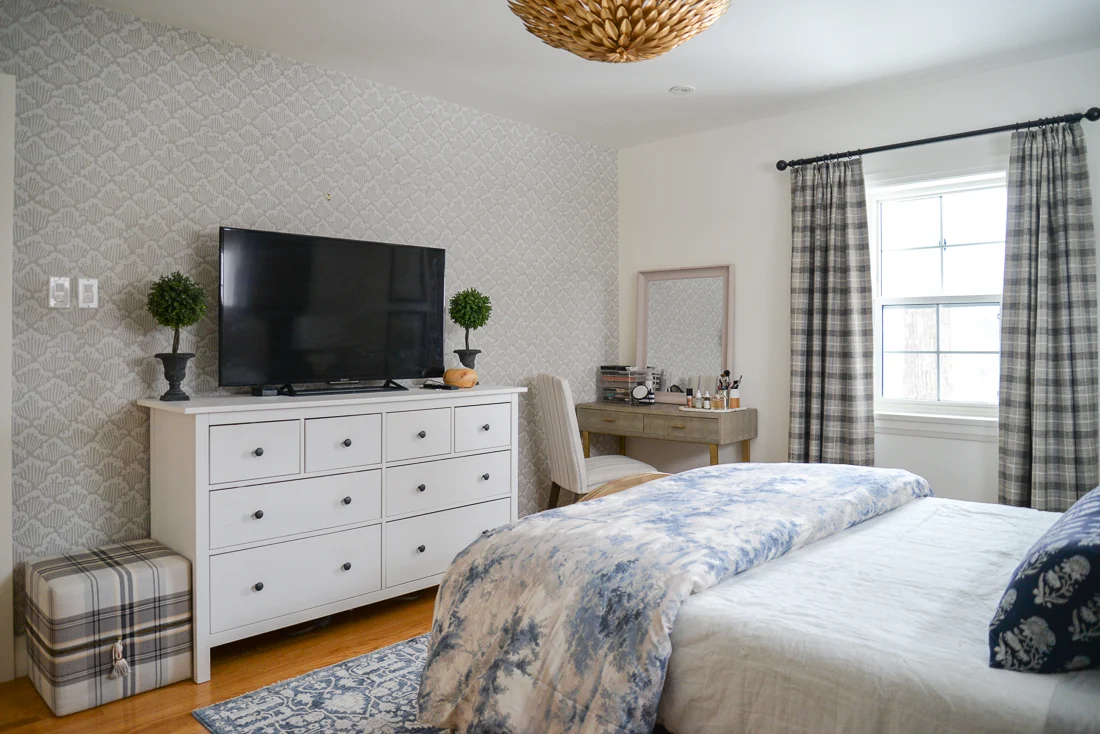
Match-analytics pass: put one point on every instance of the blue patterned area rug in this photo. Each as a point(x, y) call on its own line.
point(371, 694)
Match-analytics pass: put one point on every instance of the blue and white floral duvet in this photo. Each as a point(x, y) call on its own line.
point(560, 622)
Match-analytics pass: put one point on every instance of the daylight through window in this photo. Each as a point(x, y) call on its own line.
point(939, 253)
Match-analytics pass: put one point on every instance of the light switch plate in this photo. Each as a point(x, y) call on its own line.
point(87, 291)
point(60, 292)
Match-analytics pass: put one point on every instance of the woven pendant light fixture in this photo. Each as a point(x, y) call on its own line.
point(617, 31)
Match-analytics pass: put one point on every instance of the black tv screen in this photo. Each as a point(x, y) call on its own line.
point(304, 309)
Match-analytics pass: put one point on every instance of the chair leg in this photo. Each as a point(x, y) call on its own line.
point(555, 492)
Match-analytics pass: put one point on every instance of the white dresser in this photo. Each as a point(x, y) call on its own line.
point(291, 508)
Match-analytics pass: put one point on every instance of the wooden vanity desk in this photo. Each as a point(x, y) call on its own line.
point(668, 423)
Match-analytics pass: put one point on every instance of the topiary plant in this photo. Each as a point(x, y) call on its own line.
point(470, 309)
point(177, 302)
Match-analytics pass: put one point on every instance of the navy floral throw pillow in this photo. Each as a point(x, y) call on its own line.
point(1048, 620)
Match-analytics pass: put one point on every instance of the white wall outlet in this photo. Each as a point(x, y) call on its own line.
point(60, 292)
point(87, 290)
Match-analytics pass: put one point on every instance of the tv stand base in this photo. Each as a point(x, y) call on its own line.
point(387, 386)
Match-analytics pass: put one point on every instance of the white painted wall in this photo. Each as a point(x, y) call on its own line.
point(7, 203)
point(958, 456)
point(716, 197)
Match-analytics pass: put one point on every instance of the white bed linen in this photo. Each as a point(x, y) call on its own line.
point(882, 628)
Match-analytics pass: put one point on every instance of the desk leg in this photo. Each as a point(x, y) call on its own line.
point(745, 456)
point(713, 454)
point(622, 445)
point(555, 491)
point(586, 443)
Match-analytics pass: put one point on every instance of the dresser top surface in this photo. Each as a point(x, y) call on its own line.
point(657, 409)
point(234, 403)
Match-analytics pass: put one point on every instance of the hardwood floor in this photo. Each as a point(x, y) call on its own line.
point(237, 668)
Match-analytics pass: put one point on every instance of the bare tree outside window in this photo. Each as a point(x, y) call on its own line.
point(940, 271)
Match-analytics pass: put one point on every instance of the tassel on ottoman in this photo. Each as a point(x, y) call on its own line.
point(107, 623)
point(121, 668)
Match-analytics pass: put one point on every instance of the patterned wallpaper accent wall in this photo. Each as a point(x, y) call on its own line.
point(684, 331)
point(135, 141)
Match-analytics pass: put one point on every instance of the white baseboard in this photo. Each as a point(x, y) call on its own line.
point(20, 656)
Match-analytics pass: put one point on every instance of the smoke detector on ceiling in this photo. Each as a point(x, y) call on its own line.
point(682, 89)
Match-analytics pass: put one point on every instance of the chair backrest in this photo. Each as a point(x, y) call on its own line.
point(559, 423)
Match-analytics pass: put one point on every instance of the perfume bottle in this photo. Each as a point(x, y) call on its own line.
point(706, 401)
point(690, 398)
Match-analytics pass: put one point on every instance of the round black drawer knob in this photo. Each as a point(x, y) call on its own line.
point(421, 548)
point(347, 566)
point(258, 514)
point(485, 476)
point(347, 443)
point(422, 434)
point(421, 488)
point(259, 586)
point(347, 500)
point(258, 452)
point(485, 427)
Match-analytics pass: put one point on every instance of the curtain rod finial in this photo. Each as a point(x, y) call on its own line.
point(1092, 114)
point(782, 165)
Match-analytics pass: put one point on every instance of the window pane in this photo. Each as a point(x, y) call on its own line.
point(975, 216)
point(969, 378)
point(909, 376)
point(914, 223)
point(911, 273)
point(970, 328)
point(973, 270)
point(908, 329)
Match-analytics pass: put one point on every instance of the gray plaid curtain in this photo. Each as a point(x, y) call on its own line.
point(832, 372)
point(1048, 402)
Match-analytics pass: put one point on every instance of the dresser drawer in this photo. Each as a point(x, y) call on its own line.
point(598, 421)
point(267, 511)
point(480, 427)
point(244, 451)
point(687, 427)
point(424, 546)
point(420, 487)
point(415, 434)
point(262, 583)
point(341, 443)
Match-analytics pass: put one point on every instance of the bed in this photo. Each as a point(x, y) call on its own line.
point(743, 598)
point(880, 628)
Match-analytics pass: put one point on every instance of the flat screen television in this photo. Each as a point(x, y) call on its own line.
point(300, 309)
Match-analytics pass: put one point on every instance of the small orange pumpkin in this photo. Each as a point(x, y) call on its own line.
point(460, 377)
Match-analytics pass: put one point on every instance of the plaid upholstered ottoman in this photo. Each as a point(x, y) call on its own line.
point(106, 623)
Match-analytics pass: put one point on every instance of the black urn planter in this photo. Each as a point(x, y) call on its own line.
point(175, 369)
point(467, 357)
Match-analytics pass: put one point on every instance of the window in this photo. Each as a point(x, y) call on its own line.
point(939, 250)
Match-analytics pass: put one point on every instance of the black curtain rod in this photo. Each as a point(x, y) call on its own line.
point(1092, 115)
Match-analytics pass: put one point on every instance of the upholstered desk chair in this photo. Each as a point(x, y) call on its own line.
point(568, 467)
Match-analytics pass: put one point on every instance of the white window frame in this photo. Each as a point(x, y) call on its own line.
point(876, 195)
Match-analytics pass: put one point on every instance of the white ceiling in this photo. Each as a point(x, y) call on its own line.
point(762, 58)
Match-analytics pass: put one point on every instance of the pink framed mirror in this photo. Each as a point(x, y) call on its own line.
point(685, 321)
